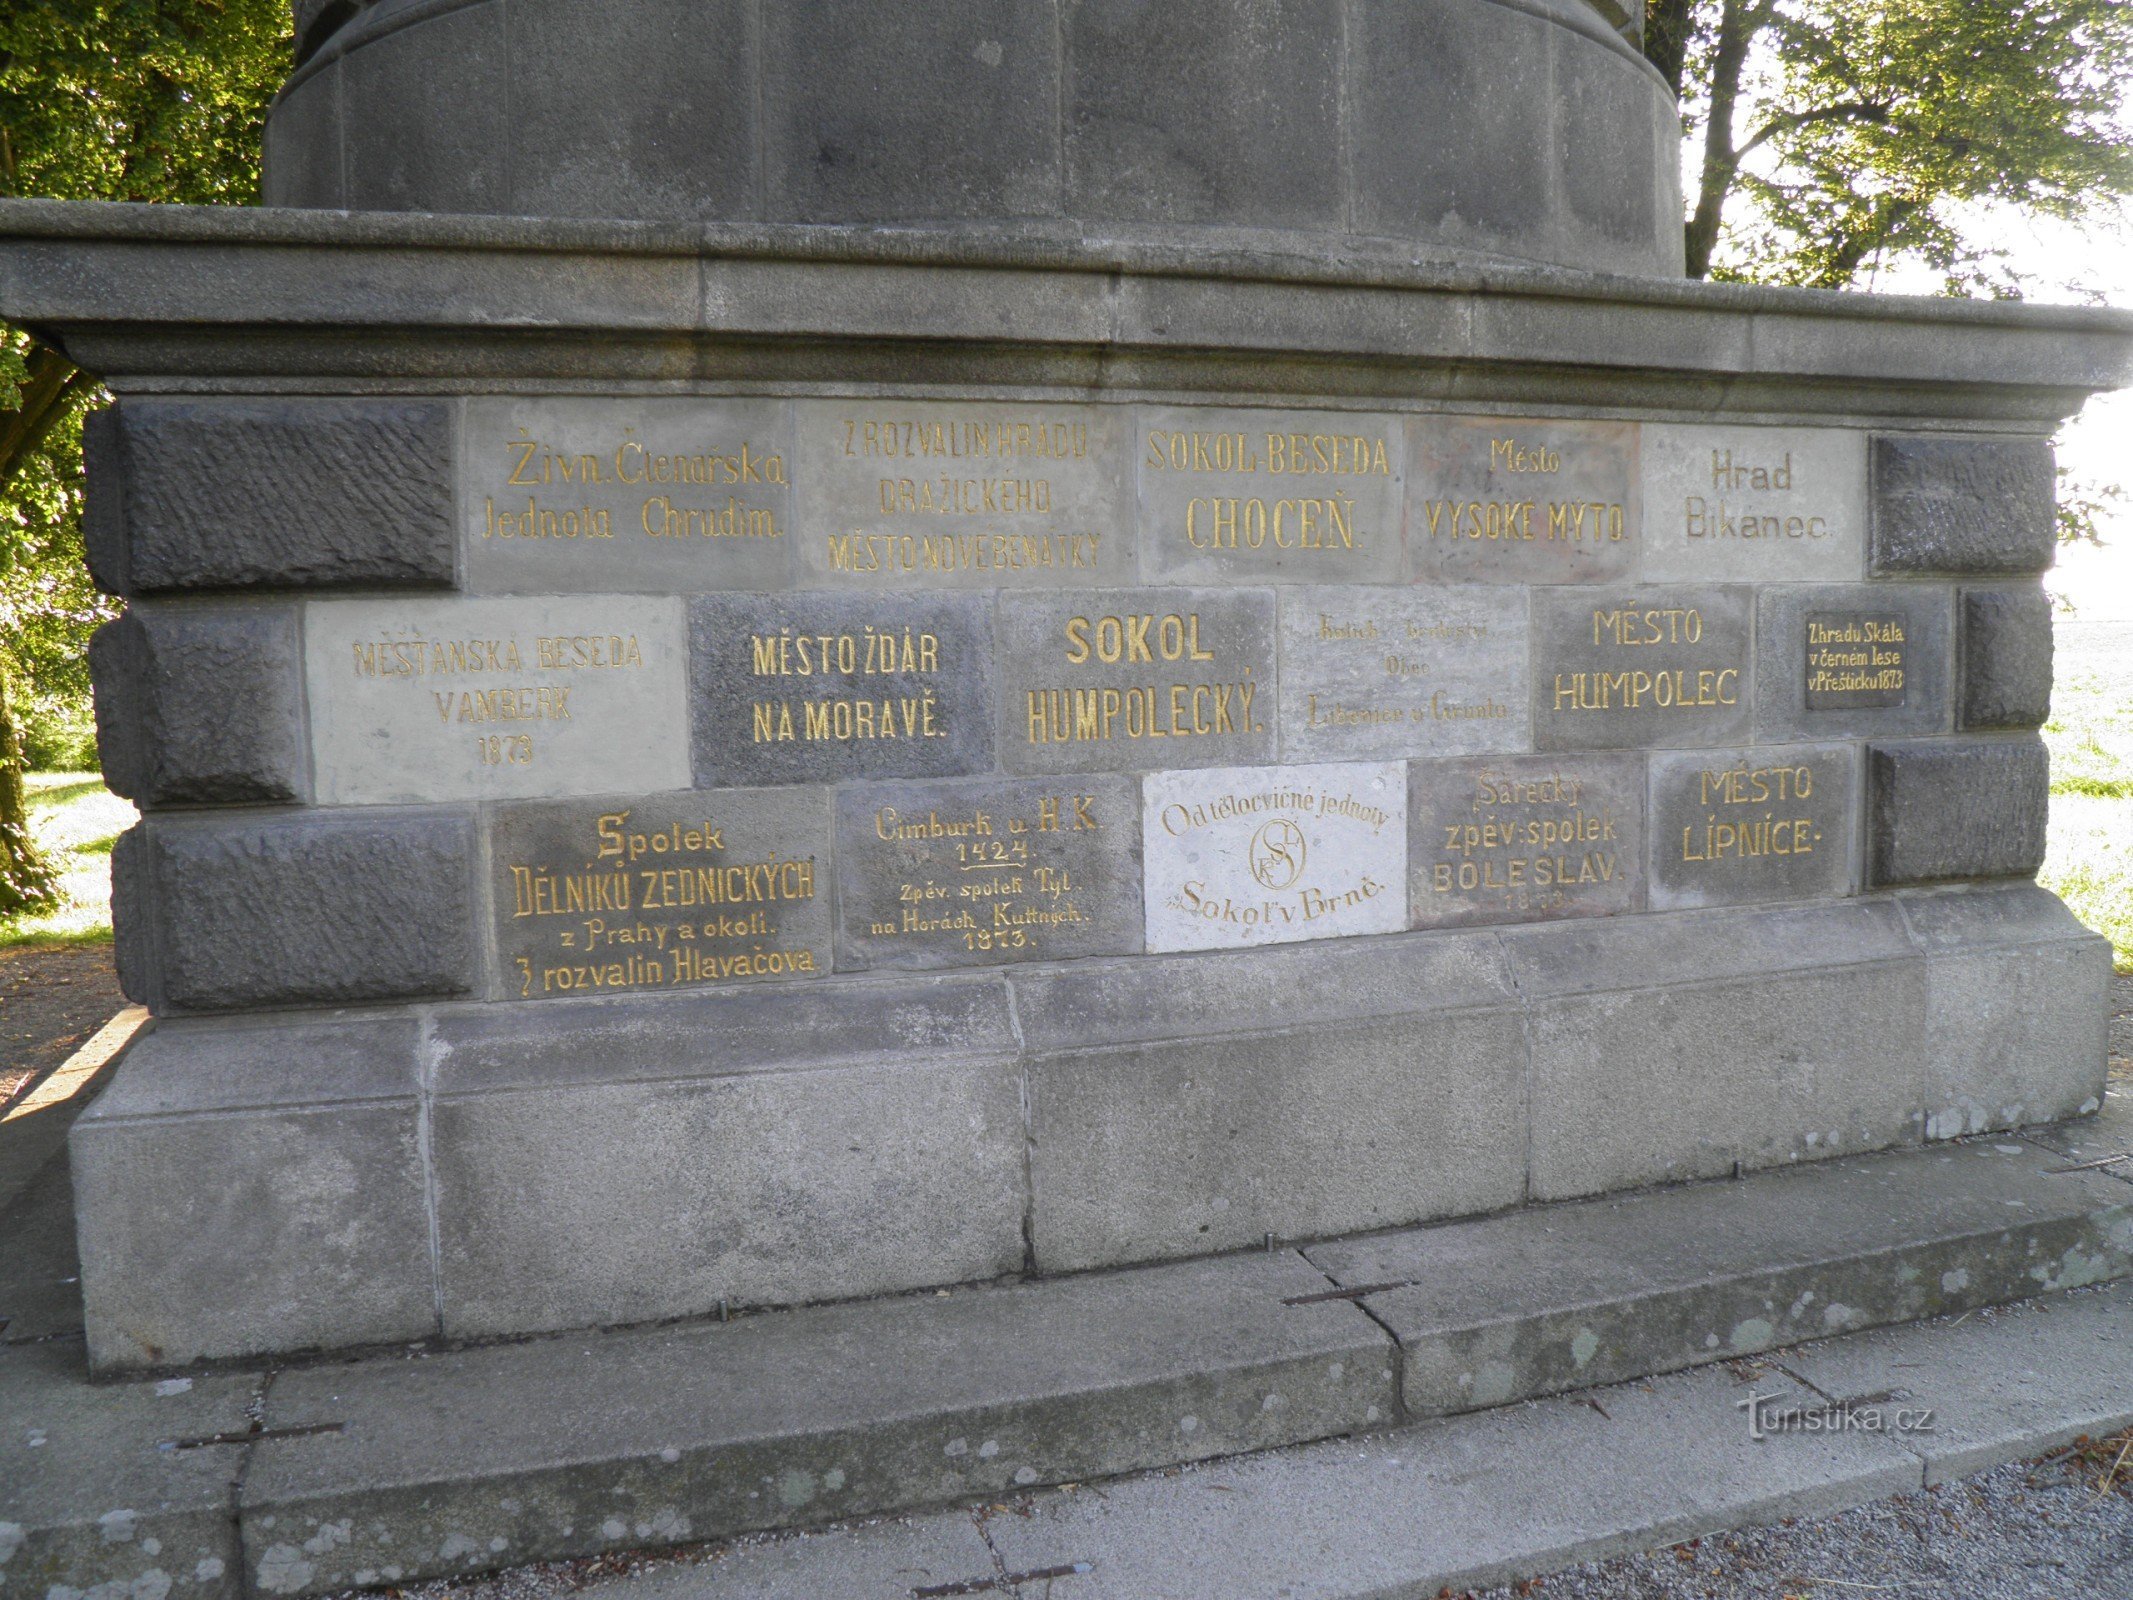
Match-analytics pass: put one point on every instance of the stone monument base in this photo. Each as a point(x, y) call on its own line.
point(471, 1171)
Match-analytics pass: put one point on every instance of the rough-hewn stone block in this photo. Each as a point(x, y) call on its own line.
point(1956, 808)
point(303, 908)
point(254, 1189)
point(197, 494)
point(1944, 504)
point(2006, 679)
point(200, 705)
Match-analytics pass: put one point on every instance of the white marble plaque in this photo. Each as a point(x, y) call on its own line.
point(1239, 856)
point(533, 698)
point(1722, 504)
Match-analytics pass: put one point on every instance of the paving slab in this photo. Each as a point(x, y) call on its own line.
point(1547, 1299)
point(472, 1460)
point(40, 1272)
point(1459, 1504)
point(871, 1561)
point(1999, 1385)
point(2105, 1139)
point(114, 1489)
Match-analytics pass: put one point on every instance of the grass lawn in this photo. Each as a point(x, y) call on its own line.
point(2089, 861)
point(76, 820)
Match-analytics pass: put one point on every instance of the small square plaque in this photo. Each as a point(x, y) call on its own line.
point(1856, 659)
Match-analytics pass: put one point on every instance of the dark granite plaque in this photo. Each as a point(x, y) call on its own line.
point(1136, 679)
point(970, 873)
point(1630, 668)
point(1521, 838)
point(661, 892)
point(810, 688)
point(1856, 658)
point(1735, 826)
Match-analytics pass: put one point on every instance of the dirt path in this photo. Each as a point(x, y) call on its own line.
point(50, 1002)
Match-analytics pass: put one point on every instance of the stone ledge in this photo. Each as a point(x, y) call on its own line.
point(217, 293)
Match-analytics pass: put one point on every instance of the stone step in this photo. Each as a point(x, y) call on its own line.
point(1551, 1298)
point(425, 1463)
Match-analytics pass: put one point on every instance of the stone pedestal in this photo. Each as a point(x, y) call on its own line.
point(758, 761)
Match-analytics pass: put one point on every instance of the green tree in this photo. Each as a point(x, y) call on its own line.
point(156, 100)
point(1831, 136)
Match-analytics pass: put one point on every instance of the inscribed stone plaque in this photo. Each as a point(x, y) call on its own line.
point(1524, 838)
point(1378, 672)
point(1271, 855)
point(1496, 501)
point(1730, 827)
point(649, 495)
point(969, 873)
point(1725, 504)
point(808, 688)
point(899, 494)
point(1125, 679)
point(1844, 660)
point(661, 892)
point(1624, 668)
point(1270, 496)
point(451, 699)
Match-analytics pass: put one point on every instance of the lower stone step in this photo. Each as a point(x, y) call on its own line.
point(391, 1468)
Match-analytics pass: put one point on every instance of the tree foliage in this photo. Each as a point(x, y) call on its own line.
point(156, 100)
point(1831, 136)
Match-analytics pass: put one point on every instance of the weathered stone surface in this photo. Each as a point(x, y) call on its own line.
point(577, 495)
point(1493, 500)
point(313, 1230)
point(1622, 668)
point(979, 100)
point(1733, 504)
point(2006, 676)
point(828, 1412)
point(91, 1501)
point(40, 1271)
point(896, 494)
point(1138, 150)
point(1270, 496)
point(812, 688)
point(1502, 1309)
point(414, 131)
point(2018, 1004)
point(659, 892)
point(222, 494)
point(1379, 673)
point(1944, 503)
point(200, 706)
point(1835, 660)
point(316, 907)
point(1121, 680)
point(768, 1146)
point(1956, 808)
point(1732, 827)
point(1238, 856)
point(1524, 838)
point(986, 870)
point(499, 698)
point(1778, 1035)
point(1181, 1105)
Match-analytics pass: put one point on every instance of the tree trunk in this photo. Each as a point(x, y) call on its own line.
point(1738, 24)
point(27, 883)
